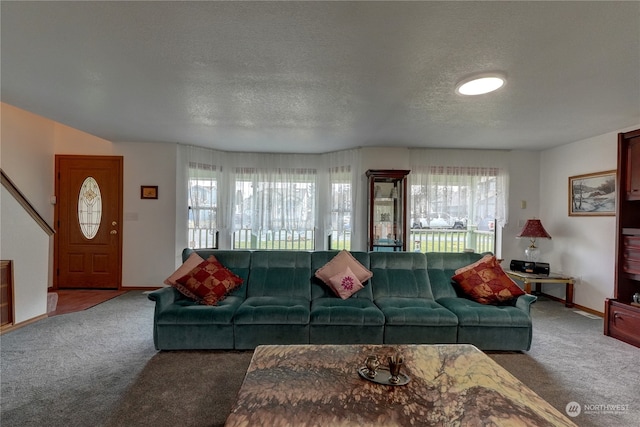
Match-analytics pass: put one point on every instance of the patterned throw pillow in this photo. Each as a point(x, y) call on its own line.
point(345, 284)
point(210, 281)
point(192, 262)
point(339, 264)
point(486, 282)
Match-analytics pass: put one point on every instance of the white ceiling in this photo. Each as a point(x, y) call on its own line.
point(323, 76)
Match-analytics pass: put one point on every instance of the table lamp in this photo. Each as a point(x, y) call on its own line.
point(533, 229)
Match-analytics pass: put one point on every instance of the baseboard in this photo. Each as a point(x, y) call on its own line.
point(140, 288)
point(11, 327)
point(578, 306)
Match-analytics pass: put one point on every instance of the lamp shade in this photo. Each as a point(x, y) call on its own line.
point(533, 229)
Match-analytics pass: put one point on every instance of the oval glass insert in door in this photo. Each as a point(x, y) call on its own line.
point(89, 208)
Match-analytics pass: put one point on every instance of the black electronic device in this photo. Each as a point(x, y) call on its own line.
point(541, 268)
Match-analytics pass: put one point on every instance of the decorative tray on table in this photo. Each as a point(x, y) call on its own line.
point(382, 376)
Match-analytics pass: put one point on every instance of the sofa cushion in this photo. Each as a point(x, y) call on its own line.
point(210, 281)
point(399, 274)
point(280, 273)
point(471, 313)
point(339, 264)
point(345, 284)
point(415, 311)
point(273, 310)
point(352, 311)
point(187, 312)
point(484, 281)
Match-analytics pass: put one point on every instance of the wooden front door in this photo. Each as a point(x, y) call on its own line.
point(88, 218)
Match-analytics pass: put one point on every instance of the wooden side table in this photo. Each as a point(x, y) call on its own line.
point(528, 278)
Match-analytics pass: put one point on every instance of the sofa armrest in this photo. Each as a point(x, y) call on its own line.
point(524, 302)
point(163, 297)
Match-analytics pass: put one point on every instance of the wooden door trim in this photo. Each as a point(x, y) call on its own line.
point(56, 215)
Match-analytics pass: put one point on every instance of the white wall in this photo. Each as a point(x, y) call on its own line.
point(27, 245)
point(26, 156)
point(149, 224)
point(27, 148)
point(524, 169)
point(583, 247)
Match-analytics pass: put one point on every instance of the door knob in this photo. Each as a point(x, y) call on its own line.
point(114, 232)
point(114, 223)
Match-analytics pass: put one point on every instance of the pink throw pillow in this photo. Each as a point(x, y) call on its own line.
point(190, 263)
point(345, 284)
point(339, 264)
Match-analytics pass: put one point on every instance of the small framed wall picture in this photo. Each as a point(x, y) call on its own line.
point(148, 191)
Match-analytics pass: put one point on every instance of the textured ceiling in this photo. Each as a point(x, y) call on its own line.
point(323, 76)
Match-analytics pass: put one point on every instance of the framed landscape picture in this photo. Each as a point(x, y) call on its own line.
point(593, 194)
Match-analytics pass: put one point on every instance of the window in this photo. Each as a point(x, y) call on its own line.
point(89, 208)
point(203, 213)
point(455, 208)
point(340, 207)
point(268, 200)
point(274, 208)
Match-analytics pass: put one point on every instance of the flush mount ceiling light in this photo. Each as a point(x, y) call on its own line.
point(480, 84)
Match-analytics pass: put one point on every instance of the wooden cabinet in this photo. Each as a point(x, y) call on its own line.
point(387, 200)
point(6, 293)
point(624, 323)
point(633, 168)
point(622, 314)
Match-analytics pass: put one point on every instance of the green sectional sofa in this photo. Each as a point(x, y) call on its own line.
point(410, 299)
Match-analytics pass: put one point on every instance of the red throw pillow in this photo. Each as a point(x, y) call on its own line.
point(210, 281)
point(486, 282)
point(192, 262)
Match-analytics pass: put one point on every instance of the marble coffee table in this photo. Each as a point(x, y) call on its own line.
point(319, 385)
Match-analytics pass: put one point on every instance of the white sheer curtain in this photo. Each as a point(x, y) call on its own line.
point(275, 196)
point(470, 185)
point(250, 197)
point(202, 174)
point(340, 219)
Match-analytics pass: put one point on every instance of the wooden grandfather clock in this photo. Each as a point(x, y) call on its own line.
point(387, 221)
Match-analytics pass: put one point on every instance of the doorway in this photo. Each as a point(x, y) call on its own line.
point(88, 218)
